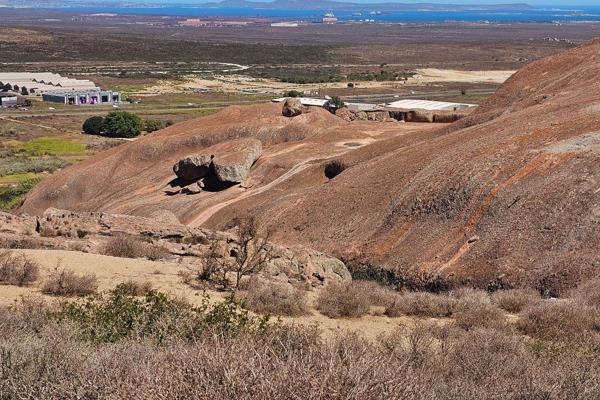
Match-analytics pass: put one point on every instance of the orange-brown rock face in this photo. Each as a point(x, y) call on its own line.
point(507, 195)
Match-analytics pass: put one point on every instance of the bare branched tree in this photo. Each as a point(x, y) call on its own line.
point(250, 254)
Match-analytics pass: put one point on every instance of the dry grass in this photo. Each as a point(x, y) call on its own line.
point(588, 293)
point(275, 298)
point(67, 283)
point(344, 300)
point(51, 359)
point(515, 300)
point(559, 319)
point(17, 270)
point(130, 247)
point(421, 304)
point(470, 314)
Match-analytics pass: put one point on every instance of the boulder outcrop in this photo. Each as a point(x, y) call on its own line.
point(292, 107)
point(227, 162)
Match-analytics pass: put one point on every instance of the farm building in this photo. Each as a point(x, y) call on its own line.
point(409, 104)
point(42, 82)
point(82, 97)
point(306, 101)
point(9, 99)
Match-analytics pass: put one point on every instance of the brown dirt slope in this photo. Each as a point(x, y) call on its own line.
point(511, 193)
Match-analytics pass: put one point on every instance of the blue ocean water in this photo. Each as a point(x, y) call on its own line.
point(550, 14)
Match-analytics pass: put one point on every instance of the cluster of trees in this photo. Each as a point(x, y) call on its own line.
point(121, 124)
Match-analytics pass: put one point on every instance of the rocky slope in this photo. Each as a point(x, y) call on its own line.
point(507, 196)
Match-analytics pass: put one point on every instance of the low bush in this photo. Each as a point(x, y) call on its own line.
point(559, 319)
point(343, 300)
point(588, 293)
point(515, 300)
point(471, 313)
point(131, 247)
point(334, 168)
point(18, 270)
point(67, 283)
point(274, 298)
point(421, 304)
point(132, 288)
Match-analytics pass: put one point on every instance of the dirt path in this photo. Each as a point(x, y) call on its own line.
point(16, 121)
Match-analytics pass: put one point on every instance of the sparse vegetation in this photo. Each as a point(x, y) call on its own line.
point(130, 247)
point(421, 304)
point(12, 196)
point(51, 146)
point(67, 283)
point(17, 269)
point(515, 300)
point(343, 300)
point(275, 298)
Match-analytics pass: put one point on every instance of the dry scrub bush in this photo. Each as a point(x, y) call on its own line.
point(130, 247)
point(51, 360)
point(343, 300)
point(275, 298)
point(422, 304)
point(588, 293)
point(132, 288)
point(470, 314)
point(67, 283)
point(515, 300)
point(18, 270)
point(559, 319)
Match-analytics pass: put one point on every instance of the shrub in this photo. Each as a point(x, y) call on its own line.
point(17, 270)
point(131, 247)
point(132, 288)
point(343, 300)
point(422, 304)
point(275, 298)
point(336, 102)
point(588, 293)
point(515, 300)
point(153, 125)
point(93, 125)
point(558, 319)
point(334, 168)
point(474, 313)
point(67, 283)
point(122, 124)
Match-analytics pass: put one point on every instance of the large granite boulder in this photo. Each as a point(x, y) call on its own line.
point(292, 107)
point(226, 162)
point(234, 163)
point(193, 167)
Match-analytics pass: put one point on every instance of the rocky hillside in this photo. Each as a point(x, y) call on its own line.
point(507, 196)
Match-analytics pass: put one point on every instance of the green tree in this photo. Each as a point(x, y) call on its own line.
point(336, 102)
point(16, 88)
point(7, 87)
point(122, 124)
point(152, 125)
point(93, 125)
point(24, 91)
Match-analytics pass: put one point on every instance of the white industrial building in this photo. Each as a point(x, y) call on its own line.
point(411, 104)
point(82, 97)
point(306, 101)
point(8, 99)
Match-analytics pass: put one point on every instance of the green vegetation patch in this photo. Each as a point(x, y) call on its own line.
point(11, 197)
point(51, 146)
